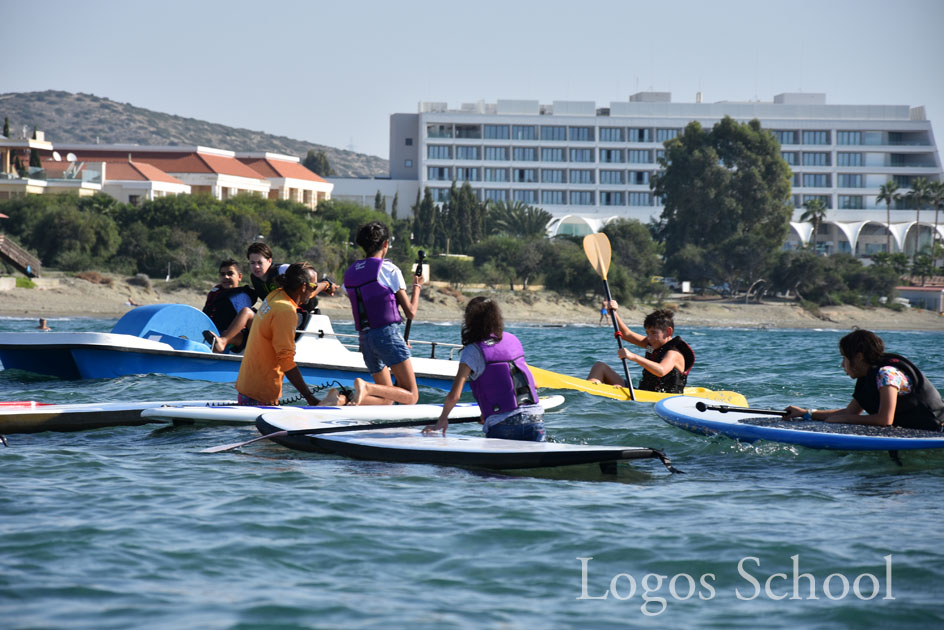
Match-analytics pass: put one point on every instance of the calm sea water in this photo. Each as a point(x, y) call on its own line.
point(132, 528)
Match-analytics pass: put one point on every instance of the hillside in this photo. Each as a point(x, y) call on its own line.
point(84, 118)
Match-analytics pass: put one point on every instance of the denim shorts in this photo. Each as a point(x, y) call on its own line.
point(520, 426)
point(383, 347)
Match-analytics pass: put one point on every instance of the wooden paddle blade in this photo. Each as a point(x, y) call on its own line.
point(598, 251)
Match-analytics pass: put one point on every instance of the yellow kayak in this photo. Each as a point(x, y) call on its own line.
point(555, 380)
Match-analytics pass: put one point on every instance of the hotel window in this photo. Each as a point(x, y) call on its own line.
point(640, 135)
point(552, 155)
point(554, 134)
point(851, 202)
point(581, 134)
point(611, 198)
point(438, 173)
point(525, 196)
point(581, 155)
point(524, 175)
point(469, 131)
point(409, 142)
point(815, 159)
point(524, 154)
point(639, 199)
point(496, 153)
point(496, 175)
point(612, 156)
point(849, 159)
point(638, 178)
point(438, 152)
point(785, 137)
point(612, 134)
point(438, 131)
point(611, 177)
point(467, 153)
point(492, 194)
point(795, 181)
point(827, 201)
point(637, 156)
point(845, 180)
point(581, 198)
point(408, 163)
point(468, 174)
point(790, 157)
point(666, 134)
point(581, 176)
point(552, 197)
point(848, 137)
point(552, 176)
point(660, 153)
point(815, 137)
point(816, 180)
point(524, 132)
point(496, 132)
point(440, 194)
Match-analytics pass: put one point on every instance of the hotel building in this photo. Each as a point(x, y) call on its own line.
point(587, 165)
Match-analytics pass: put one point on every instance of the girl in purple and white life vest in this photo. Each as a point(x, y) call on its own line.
point(500, 379)
point(376, 289)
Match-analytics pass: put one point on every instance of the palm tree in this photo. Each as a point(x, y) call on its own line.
point(937, 200)
point(815, 214)
point(518, 219)
point(919, 195)
point(888, 192)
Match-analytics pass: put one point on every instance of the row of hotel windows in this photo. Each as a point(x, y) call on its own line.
point(533, 175)
point(845, 202)
point(555, 197)
point(546, 154)
point(824, 158)
point(561, 133)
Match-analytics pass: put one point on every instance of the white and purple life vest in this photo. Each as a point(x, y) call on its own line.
point(372, 304)
point(506, 384)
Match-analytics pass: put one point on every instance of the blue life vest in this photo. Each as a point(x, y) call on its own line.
point(506, 384)
point(372, 304)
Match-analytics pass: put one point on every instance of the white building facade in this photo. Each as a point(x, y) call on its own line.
point(587, 165)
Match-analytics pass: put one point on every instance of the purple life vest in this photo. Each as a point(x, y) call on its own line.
point(506, 384)
point(372, 304)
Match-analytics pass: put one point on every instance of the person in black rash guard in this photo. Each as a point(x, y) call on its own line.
point(228, 306)
point(264, 276)
point(668, 359)
point(889, 390)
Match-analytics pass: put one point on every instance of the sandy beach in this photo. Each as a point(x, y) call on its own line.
point(71, 296)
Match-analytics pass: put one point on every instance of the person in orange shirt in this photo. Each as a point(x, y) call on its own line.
point(270, 350)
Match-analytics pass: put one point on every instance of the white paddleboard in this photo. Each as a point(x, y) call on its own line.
point(31, 416)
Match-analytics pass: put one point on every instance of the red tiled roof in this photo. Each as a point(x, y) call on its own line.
point(183, 162)
point(140, 171)
point(281, 168)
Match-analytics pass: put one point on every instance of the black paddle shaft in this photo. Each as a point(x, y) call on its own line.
point(619, 339)
point(700, 406)
point(421, 256)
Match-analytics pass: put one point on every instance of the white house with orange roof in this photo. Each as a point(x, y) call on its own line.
point(134, 182)
point(288, 178)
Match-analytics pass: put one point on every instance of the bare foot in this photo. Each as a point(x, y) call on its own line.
point(216, 344)
point(360, 390)
point(331, 399)
point(595, 381)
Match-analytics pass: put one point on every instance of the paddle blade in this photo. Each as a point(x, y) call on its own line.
point(598, 251)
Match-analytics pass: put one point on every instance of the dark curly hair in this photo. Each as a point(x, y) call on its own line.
point(371, 237)
point(663, 319)
point(483, 319)
point(230, 262)
point(297, 275)
point(868, 343)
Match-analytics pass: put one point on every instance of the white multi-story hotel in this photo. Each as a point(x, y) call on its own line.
point(587, 165)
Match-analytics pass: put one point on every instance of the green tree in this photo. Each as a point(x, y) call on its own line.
point(317, 162)
point(936, 198)
point(888, 192)
point(923, 267)
point(635, 252)
point(6, 127)
point(919, 195)
point(726, 194)
point(815, 213)
point(518, 219)
point(395, 206)
point(424, 220)
point(34, 154)
point(380, 202)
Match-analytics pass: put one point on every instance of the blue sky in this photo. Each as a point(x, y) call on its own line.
point(333, 72)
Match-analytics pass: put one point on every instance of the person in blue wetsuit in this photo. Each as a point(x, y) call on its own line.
point(377, 292)
point(889, 389)
point(493, 361)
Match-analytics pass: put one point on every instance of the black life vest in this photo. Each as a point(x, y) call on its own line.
point(219, 308)
point(921, 409)
point(673, 382)
point(265, 286)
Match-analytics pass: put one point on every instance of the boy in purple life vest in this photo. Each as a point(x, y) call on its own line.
point(668, 358)
point(377, 292)
point(500, 379)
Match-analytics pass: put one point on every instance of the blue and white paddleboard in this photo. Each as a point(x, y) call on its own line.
point(681, 412)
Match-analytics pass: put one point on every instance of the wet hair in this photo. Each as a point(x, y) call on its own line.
point(663, 319)
point(259, 248)
point(371, 237)
point(297, 275)
point(868, 343)
point(229, 262)
point(483, 319)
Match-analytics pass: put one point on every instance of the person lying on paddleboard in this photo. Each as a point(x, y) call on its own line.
point(377, 292)
point(889, 389)
point(270, 350)
point(493, 361)
point(668, 358)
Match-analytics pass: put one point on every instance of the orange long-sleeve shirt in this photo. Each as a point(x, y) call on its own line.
point(270, 350)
